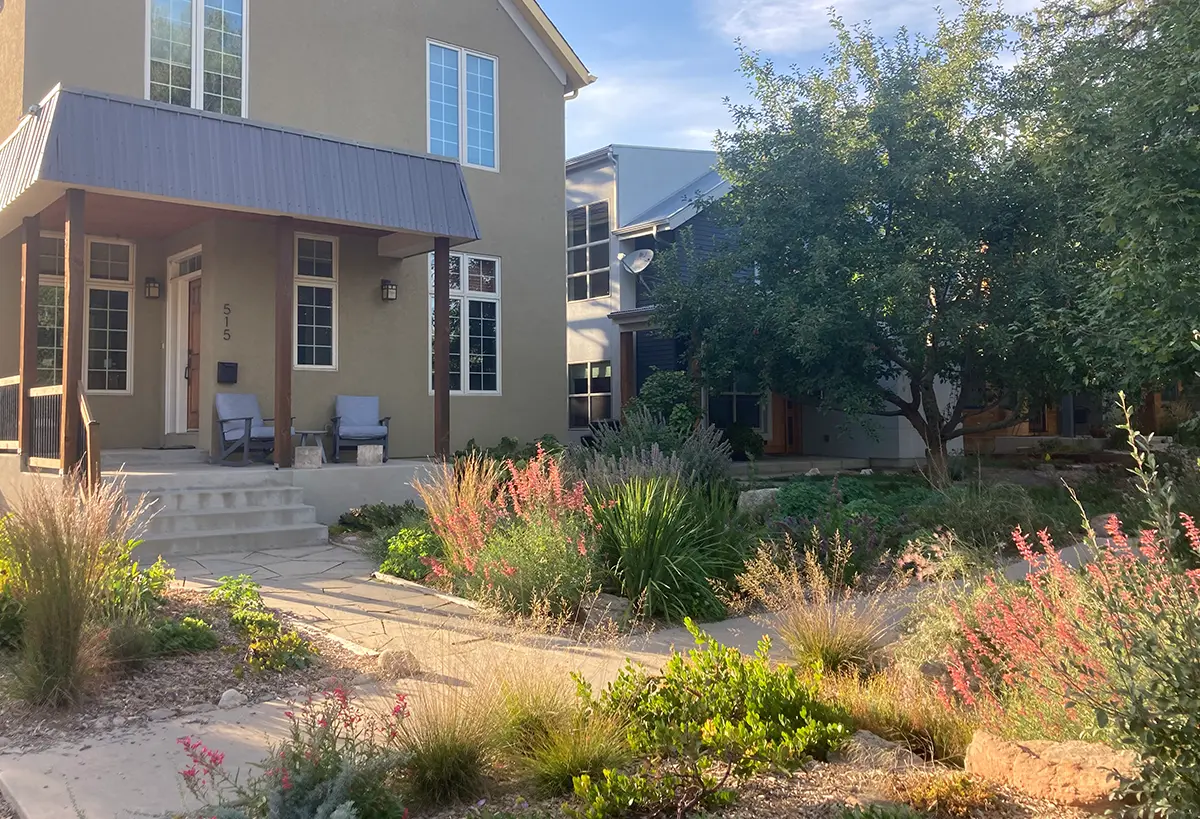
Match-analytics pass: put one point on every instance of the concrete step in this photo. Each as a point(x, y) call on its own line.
point(196, 544)
point(203, 500)
point(230, 520)
point(199, 477)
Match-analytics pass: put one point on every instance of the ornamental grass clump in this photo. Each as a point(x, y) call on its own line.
point(62, 544)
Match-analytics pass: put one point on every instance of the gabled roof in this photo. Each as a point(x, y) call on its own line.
point(550, 43)
point(681, 206)
point(102, 142)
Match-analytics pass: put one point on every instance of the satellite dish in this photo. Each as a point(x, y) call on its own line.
point(637, 261)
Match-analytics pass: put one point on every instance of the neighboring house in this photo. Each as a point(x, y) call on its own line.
point(624, 198)
point(252, 196)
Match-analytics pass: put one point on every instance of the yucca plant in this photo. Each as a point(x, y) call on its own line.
point(663, 545)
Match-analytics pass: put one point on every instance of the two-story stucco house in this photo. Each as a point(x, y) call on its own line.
point(286, 198)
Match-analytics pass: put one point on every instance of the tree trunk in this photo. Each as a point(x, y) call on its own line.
point(936, 458)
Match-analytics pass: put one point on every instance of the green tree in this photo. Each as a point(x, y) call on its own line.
point(891, 236)
point(1112, 91)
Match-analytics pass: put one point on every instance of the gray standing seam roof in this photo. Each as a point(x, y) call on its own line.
point(701, 187)
point(100, 141)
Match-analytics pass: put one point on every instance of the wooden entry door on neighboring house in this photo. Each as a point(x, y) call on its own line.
point(191, 370)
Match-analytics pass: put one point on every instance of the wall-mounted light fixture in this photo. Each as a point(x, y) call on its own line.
point(388, 289)
point(153, 288)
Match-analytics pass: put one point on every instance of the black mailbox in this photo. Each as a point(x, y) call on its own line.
point(227, 372)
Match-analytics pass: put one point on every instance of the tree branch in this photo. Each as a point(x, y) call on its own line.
point(1012, 420)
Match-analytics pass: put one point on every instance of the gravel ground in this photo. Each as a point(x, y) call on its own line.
point(7, 811)
point(172, 686)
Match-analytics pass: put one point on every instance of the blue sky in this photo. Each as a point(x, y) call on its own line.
point(664, 66)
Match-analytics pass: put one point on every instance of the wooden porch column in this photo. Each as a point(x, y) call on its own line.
point(31, 237)
point(73, 298)
point(285, 322)
point(441, 347)
point(628, 369)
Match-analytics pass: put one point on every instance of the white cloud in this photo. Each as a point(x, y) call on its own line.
point(798, 26)
point(648, 102)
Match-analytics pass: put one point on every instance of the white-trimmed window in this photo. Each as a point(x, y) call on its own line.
point(108, 323)
point(587, 252)
point(589, 389)
point(475, 297)
point(462, 105)
point(197, 54)
point(316, 302)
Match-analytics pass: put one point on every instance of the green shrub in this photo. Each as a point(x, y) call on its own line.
point(706, 455)
point(250, 620)
point(190, 635)
point(11, 611)
point(133, 591)
point(585, 745)
point(237, 592)
point(651, 792)
point(510, 449)
point(665, 392)
point(61, 544)
point(663, 543)
point(804, 498)
point(408, 553)
point(280, 651)
point(129, 645)
point(376, 516)
point(982, 515)
point(745, 442)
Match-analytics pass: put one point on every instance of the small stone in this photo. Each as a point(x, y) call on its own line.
point(867, 749)
point(867, 472)
point(813, 473)
point(117, 722)
point(371, 455)
point(296, 692)
point(233, 699)
point(398, 664)
point(759, 502)
point(160, 713)
point(102, 723)
point(605, 610)
point(363, 679)
point(351, 540)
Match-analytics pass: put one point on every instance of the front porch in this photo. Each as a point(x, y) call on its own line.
point(155, 256)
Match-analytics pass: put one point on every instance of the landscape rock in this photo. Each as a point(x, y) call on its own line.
point(759, 502)
point(363, 679)
point(813, 473)
point(865, 749)
point(1099, 523)
point(398, 664)
point(231, 699)
point(1075, 774)
point(117, 722)
point(160, 713)
point(605, 610)
point(198, 708)
point(867, 472)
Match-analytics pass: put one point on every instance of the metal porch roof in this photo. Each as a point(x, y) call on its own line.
point(103, 142)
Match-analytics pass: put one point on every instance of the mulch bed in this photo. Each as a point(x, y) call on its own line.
point(171, 686)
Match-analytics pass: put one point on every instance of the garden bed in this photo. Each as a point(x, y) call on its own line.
point(170, 686)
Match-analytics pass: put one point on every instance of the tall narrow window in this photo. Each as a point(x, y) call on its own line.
point(462, 105)
point(475, 353)
point(197, 54)
point(316, 302)
point(589, 387)
point(587, 252)
point(108, 357)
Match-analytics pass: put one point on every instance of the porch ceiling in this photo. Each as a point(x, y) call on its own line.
point(149, 155)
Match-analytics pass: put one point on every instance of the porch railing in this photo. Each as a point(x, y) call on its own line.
point(91, 441)
point(45, 416)
point(10, 404)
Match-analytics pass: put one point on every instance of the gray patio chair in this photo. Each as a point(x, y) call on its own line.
point(356, 423)
point(243, 427)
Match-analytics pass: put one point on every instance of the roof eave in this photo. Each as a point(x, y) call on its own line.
point(578, 75)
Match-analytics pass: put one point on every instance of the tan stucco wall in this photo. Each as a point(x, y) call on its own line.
point(358, 71)
point(12, 64)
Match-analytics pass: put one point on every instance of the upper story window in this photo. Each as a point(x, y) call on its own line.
point(197, 54)
point(462, 105)
point(587, 252)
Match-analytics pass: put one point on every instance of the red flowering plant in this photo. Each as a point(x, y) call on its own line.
point(336, 756)
point(1108, 651)
point(521, 544)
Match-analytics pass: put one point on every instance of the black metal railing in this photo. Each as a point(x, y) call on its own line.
point(45, 415)
point(10, 405)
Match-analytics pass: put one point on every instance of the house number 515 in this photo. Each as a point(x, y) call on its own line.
point(228, 312)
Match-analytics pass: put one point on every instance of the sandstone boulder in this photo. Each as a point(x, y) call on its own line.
point(398, 664)
point(759, 502)
point(1074, 774)
point(871, 751)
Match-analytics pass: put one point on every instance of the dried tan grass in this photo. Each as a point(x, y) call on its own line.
point(61, 543)
point(469, 482)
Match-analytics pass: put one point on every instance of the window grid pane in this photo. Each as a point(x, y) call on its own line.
point(109, 262)
point(588, 252)
point(481, 342)
point(443, 101)
point(590, 391)
point(481, 111)
point(171, 51)
point(53, 256)
point(314, 258)
point(50, 335)
point(223, 50)
point(108, 340)
point(455, 345)
point(314, 326)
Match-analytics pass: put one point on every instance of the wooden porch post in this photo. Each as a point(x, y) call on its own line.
point(441, 347)
point(628, 369)
point(285, 320)
point(73, 298)
point(31, 237)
